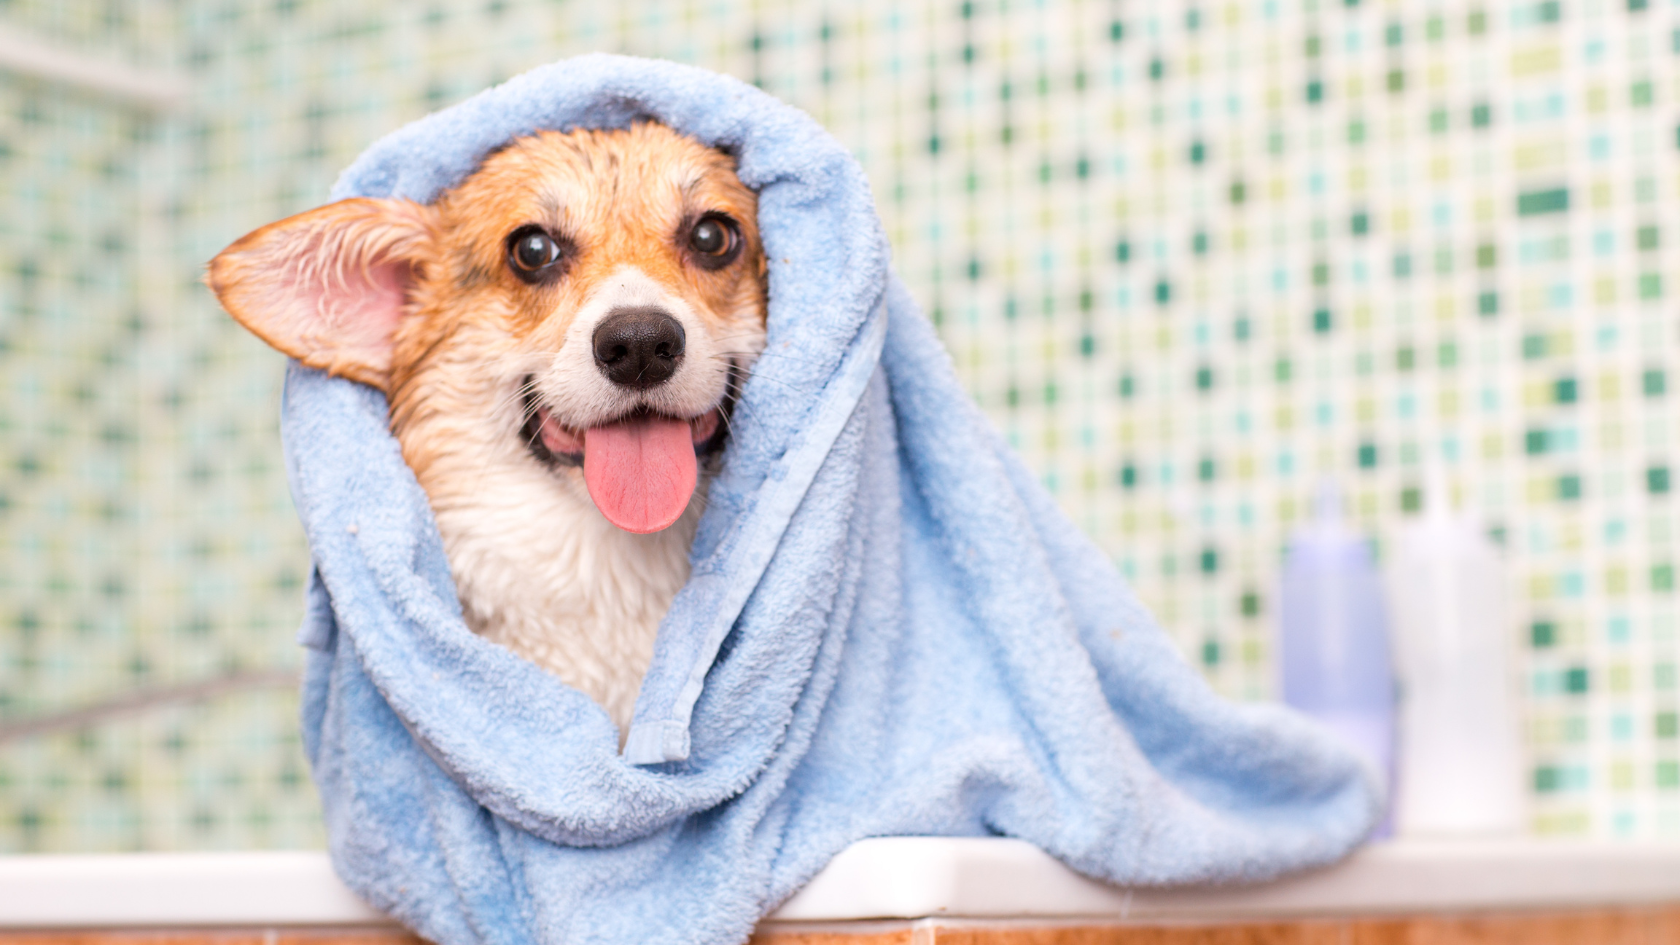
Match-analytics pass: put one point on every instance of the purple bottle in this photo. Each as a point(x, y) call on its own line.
point(1333, 635)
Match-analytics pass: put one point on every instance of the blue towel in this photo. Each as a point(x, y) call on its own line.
point(890, 628)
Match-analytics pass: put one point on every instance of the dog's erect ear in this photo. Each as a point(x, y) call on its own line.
point(328, 286)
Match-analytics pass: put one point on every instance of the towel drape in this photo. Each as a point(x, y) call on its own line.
point(890, 628)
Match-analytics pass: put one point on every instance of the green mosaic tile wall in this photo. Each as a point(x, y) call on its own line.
point(1190, 256)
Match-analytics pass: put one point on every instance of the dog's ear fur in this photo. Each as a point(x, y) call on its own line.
point(328, 286)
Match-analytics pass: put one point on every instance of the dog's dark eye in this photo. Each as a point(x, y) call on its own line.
point(709, 237)
point(534, 251)
point(531, 250)
point(716, 241)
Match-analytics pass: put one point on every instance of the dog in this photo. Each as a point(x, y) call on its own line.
point(561, 338)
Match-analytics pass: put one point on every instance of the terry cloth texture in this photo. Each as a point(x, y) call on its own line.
point(890, 628)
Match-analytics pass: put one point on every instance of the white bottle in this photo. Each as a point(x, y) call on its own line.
point(1460, 760)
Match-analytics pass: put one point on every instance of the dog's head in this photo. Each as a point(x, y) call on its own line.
point(584, 301)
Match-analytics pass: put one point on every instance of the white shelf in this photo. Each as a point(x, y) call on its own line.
point(910, 877)
point(159, 889)
point(29, 55)
point(900, 877)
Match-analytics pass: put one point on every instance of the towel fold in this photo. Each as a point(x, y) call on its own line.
point(890, 628)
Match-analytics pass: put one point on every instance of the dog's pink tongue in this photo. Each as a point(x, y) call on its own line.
point(640, 472)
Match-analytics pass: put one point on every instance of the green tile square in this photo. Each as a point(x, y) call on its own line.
point(1250, 604)
point(1569, 487)
point(1667, 725)
point(1575, 680)
point(1537, 202)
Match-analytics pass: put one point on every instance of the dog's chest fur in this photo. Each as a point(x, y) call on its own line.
point(565, 589)
point(537, 567)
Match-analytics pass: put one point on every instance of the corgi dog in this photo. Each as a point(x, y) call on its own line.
point(561, 337)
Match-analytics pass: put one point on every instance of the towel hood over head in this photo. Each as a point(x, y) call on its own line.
point(890, 628)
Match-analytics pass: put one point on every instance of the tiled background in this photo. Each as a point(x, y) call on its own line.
point(1190, 256)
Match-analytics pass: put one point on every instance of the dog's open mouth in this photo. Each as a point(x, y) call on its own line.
point(641, 469)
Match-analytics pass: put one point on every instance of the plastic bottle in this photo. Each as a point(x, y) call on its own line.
point(1333, 640)
point(1460, 759)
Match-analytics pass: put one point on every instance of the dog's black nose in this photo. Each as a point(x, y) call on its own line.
point(638, 347)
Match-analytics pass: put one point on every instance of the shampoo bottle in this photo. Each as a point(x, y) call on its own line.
point(1460, 760)
point(1333, 639)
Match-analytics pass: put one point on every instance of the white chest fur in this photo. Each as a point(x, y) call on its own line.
point(540, 571)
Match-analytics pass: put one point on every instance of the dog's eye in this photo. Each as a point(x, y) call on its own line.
point(531, 250)
point(716, 241)
point(709, 237)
